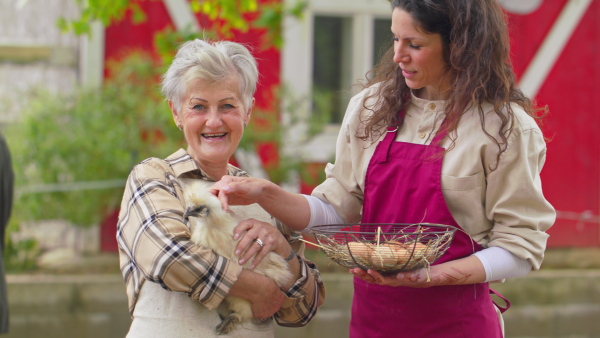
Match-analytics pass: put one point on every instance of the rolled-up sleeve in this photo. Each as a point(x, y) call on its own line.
point(514, 197)
point(307, 294)
point(303, 299)
point(154, 242)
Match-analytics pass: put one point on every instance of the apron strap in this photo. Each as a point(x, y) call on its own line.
point(506, 301)
point(386, 143)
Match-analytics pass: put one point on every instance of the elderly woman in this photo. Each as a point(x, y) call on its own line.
point(439, 134)
point(174, 286)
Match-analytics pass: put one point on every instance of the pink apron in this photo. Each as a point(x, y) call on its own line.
point(403, 185)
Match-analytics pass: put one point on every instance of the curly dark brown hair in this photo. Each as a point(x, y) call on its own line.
point(476, 50)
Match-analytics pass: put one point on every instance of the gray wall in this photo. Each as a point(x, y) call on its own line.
point(33, 52)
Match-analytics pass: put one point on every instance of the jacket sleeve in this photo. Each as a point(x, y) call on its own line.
point(307, 294)
point(514, 198)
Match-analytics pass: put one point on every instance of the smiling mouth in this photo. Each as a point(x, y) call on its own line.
point(214, 136)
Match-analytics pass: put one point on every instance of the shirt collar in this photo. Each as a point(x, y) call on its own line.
point(184, 166)
point(430, 105)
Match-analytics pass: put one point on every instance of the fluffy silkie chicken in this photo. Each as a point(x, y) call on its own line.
point(212, 227)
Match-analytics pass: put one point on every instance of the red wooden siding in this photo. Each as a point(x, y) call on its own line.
point(571, 175)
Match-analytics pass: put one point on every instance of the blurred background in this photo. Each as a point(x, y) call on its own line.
point(80, 106)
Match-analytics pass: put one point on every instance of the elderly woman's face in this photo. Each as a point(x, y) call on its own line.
point(213, 119)
point(420, 56)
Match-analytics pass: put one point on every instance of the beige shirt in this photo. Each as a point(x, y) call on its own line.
point(503, 207)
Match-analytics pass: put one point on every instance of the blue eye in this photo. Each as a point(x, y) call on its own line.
point(226, 107)
point(414, 46)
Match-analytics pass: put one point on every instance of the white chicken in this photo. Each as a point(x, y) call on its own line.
point(212, 227)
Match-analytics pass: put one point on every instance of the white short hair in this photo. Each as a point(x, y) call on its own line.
point(210, 61)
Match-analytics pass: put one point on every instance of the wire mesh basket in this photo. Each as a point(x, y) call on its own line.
point(388, 248)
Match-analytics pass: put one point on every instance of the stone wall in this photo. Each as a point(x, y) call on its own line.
point(545, 304)
point(34, 53)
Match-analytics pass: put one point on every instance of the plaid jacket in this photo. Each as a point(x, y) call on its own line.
point(154, 244)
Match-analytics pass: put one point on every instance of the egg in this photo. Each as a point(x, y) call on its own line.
point(359, 249)
point(390, 254)
point(376, 256)
point(422, 251)
point(386, 255)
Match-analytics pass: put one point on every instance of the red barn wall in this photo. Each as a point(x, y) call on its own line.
point(571, 175)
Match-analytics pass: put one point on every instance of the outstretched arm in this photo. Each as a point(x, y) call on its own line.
point(291, 209)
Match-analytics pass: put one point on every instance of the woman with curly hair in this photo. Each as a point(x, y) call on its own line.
point(440, 134)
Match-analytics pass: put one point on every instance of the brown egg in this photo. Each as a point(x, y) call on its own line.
point(359, 249)
point(385, 255)
point(422, 251)
point(401, 253)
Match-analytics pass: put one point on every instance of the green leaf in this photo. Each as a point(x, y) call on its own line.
point(89, 136)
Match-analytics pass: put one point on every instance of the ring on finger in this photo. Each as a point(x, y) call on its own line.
point(259, 242)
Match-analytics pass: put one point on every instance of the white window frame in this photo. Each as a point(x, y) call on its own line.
point(297, 54)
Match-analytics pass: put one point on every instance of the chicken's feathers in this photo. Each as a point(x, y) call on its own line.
point(212, 227)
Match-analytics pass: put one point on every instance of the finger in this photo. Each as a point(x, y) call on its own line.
point(241, 229)
point(262, 253)
point(377, 277)
point(262, 245)
point(244, 232)
point(222, 196)
point(220, 190)
point(375, 274)
point(362, 275)
point(263, 242)
point(254, 249)
point(216, 188)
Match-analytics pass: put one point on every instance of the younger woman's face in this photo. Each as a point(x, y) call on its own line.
point(420, 56)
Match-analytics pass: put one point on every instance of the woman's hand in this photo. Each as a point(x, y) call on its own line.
point(251, 231)
point(415, 279)
point(467, 270)
point(234, 190)
point(268, 300)
point(290, 208)
point(263, 294)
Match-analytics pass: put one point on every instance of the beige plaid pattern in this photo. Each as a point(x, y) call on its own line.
point(154, 244)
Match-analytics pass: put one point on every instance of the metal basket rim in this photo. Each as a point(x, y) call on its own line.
point(327, 228)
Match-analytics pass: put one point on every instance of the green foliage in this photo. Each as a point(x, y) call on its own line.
point(271, 19)
point(20, 256)
point(227, 15)
point(323, 105)
point(89, 136)
point(105, 11)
